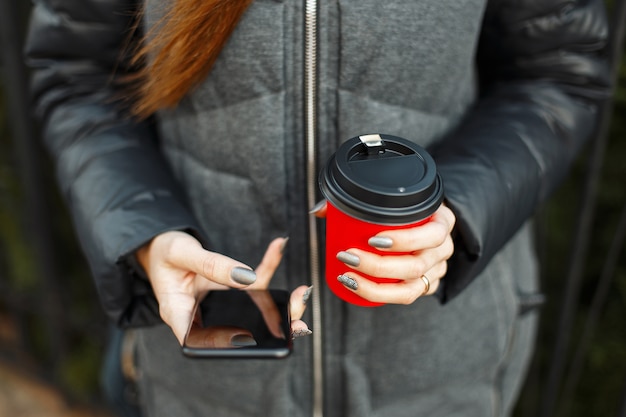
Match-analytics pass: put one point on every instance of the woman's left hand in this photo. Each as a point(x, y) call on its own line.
point(428, 248)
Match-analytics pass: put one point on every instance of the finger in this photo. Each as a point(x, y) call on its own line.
point(298, 300)
point(406, 266)
point(438, 271)
point(187, 253)
point(404, 292)
point(299, 329)
point(428, 235)
point(270, 262)
point(319, 209)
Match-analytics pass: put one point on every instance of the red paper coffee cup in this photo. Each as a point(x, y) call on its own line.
point(373, 183)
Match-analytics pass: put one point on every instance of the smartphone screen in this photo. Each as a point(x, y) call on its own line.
point(240, 324)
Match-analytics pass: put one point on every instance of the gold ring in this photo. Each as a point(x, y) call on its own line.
point(426, 284)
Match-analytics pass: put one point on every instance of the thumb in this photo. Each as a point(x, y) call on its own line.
point(177, 312)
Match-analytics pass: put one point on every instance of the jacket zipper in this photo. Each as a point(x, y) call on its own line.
point(310, 105)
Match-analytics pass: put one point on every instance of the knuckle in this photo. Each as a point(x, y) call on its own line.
point(174, 243)
point(441, 234)
point(409, 298)
point(174, 248)
point(418, 267)
point(449, 213)
point(452, 220)
point(165, 312)
point(448, 248)
point(444, 269)
point(208, 267)
point(377, 268)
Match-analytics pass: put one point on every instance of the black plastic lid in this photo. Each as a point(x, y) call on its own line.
point(382, 179)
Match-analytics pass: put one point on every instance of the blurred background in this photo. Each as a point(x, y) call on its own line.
point(53, 335)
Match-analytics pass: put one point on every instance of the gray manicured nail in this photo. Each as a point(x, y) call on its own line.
point(243, 340)
point(243, 275)
point(307, 295)
point(317, 207)
point(349, 258)
point(300, 333)
point(284, 245)
point(380, 242)
point(348, 282)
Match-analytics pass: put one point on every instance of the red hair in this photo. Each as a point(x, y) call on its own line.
point(179, 51)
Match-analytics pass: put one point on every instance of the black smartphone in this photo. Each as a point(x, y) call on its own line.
point(240, 324)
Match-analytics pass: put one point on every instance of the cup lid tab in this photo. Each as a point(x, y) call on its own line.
point(374, 143)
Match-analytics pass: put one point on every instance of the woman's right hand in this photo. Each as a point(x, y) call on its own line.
point(181, 272)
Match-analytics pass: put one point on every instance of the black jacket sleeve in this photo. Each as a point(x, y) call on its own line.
point(543, 70)
point(109, 169)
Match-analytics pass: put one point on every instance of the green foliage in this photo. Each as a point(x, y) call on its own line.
point(600, 388)
point(15, 250)
point(81, 370)
point(66, 346)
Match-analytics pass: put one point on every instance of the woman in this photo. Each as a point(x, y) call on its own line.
point(187, 195)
